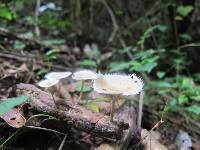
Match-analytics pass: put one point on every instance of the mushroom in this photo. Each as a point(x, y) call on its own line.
point(47, 83)
point(57, 75)
point(114, 85)
point(59, 88)
point(83, 76)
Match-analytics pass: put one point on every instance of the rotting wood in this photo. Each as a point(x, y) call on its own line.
point(80, 117)
point(130, 136)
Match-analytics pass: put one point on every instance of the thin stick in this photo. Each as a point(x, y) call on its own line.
point(112, 111)
point(53, 98)
point(45, 129)
point(114, 21)
point(37, 29)
point(63, 142)
point(141, 99)
point(81, 92)
point(10, 137)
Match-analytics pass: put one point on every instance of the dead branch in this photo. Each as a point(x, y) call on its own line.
point(114, 21)
point(80, 117)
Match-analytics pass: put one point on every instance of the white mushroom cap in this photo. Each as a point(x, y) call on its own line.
point(118, 84)
point(84, 75)
point(57, 75)
point(47, 83)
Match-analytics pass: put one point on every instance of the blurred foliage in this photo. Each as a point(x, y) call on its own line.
point(150, 45)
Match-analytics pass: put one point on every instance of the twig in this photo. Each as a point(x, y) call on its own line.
point(115, 25)
point(63, 142)
point(139, 121)
point(37, 29)
point(40, 128)
point(13, 56)
point(10, 137)
point(150, 12)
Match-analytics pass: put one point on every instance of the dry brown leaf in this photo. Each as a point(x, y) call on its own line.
point(14, 118)
point(23, 68)
point(151, 140)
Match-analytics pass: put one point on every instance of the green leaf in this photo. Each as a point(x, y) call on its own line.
point(26, 35)
point(6, 13)
point(162, 28)
point(173, 102)
point(94, 108)
point(9, 103)
point(178, 18)
point(185, 36)
point(118, 66)
point(184, 10)
point(196, 98)
point(53, 42)
point(161, 84)
point(88, 63)
point(143, 67)
point(53, 52)
point(182, 99)
point(187, 83)
point(19, 45)
point(160, 74)
point(85, 88)
point(194, 109)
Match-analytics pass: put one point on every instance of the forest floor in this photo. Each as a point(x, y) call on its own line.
point(27, 66)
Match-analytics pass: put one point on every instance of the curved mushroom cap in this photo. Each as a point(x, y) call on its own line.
point(84, 75)
point(47, 83)
point(118, 84)
point(57, 75)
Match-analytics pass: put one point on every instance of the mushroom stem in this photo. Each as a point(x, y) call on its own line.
point(112, 110)
point(114, 98)
point(53, 98)
point(50, 90)
point(81, 92)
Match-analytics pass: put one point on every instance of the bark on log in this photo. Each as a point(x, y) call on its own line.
point(80, 117)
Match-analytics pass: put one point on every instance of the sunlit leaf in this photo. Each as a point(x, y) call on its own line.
point(194, 109)
point(184, 10)
point(88, 63)
point(19, 45)
point(53, 51)
point(196, 98)
point(118, 66)
point(160, 74)
point(182, 99)
point(162, 28)
point(9, 103)
point(53, 42)
point(94, 108)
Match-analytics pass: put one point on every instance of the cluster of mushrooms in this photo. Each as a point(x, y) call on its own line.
point(110, 84)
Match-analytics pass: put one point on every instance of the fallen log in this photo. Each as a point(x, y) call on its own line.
point(94, 123)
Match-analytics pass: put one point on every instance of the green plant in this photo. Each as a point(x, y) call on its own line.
point(9, 103)
point(6, 13)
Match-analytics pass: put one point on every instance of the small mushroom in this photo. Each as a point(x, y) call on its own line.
point(57, 75)
point(59, 87)
point(117, 84)
point(83, 76)
point(48, 83)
